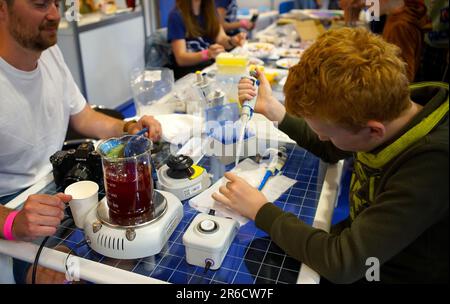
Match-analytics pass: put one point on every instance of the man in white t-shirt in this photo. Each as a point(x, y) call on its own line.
point(38, 100)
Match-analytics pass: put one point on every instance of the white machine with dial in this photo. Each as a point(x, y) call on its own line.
point(208, 239)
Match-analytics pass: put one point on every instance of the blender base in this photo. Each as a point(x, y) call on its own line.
point(133, 243)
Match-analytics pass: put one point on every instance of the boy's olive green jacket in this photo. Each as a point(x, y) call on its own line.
point(399, 200)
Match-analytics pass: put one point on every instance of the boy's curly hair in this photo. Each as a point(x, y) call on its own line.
point(348, 77)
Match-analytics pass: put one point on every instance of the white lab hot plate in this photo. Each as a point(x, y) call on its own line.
point(136, 239)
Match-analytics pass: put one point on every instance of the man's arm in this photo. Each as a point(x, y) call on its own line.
point(97, 125)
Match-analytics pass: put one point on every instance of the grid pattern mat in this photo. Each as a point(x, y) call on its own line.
point(252, 257)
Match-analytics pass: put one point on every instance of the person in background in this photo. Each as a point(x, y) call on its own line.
point(352, 10)
point(308, 4)
point(38, 100)
point(227, 11)
point(196, 36)
point(435, 59)
point(350, 96)
point(328, 4)
point(324, 4)
point(403, 27)
point(319, 4)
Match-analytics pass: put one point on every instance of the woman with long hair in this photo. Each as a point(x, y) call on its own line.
point(196, 36)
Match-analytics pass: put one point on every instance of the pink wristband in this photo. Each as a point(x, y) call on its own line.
point(7, 228)
point(205, 56)
point(244, 23)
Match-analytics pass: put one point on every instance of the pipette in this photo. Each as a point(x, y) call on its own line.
point(274, 167)
point(247, 112)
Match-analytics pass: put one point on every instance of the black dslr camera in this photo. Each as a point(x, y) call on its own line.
point(82, 163)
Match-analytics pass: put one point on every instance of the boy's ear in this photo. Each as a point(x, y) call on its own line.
point(3, 10)
point(377, 129)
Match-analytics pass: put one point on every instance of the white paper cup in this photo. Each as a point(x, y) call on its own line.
point(84, 198)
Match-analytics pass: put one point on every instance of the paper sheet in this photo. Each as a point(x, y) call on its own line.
point(253, 173)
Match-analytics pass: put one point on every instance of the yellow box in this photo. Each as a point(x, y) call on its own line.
point(230, 64)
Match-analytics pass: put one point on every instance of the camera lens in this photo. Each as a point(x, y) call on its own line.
point(79, 172)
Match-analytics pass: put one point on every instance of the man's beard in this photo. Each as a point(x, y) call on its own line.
point(22, 33)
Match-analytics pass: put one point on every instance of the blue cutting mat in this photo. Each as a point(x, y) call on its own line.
point(252, 258)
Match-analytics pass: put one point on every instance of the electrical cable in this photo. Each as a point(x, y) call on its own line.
point(208, 265)
point(36, 260)
point(38, 254)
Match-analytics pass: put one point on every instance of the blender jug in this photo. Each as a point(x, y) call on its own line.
point(128, 178)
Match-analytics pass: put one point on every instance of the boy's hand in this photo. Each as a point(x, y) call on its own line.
point(246, 91)
point(40, 216)
point(240, 196)
point(266, 104)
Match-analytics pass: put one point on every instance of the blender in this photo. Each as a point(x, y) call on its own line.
point(133, 220)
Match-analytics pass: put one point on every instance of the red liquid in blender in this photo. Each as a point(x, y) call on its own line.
point(128, 195)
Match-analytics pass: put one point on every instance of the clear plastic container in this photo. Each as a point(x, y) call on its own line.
point(149, 88)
